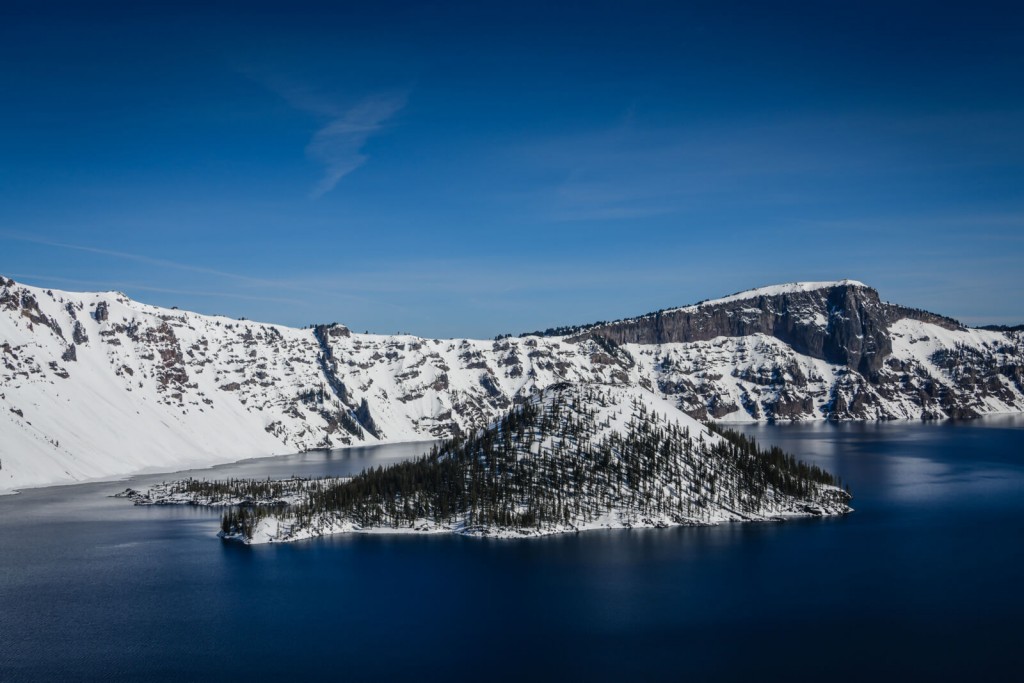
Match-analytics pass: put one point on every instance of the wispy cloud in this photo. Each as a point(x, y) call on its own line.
point(252, 286)
point(347, 125)
point(339, 144)
point(630, 170)
point(44, 280)
point(139, 258)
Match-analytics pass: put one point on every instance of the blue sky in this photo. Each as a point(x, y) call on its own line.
point(481, 168)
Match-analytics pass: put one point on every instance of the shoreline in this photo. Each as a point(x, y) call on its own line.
point(340, 527)
point(203, 466)
point(281, 527)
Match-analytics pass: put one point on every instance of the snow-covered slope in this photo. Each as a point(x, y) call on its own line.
point(773, 291)
point(96, 385)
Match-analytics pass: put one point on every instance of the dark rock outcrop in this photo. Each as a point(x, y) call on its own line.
point(364, 418)
point(327, 362)
point(845, 323)
point(79, 334)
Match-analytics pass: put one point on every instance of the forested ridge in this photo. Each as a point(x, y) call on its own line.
point(574, 456)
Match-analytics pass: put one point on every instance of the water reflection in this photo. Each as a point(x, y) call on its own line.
point(909, 462)
point(336, 462)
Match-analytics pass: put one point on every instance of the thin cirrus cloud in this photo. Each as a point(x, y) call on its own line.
point(338, 146)
point(629, 170)
point(139, 258)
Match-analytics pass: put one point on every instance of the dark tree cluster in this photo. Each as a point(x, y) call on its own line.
point(1002, 328)
point(562, 330)
point(252, 490)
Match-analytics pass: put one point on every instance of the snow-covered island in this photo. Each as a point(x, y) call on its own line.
point(571, 458)
point(252, 492)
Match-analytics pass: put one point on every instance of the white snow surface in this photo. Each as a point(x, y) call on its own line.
point(774, 290)
point(156, 389)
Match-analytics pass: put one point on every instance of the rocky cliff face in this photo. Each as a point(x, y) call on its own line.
point(844, 323)
point(96, 385)
point(881, 360)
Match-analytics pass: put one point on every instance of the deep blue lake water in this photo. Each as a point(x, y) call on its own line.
point(925, 581)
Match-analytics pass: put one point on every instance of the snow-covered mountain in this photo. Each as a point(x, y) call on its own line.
point(96, 385)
